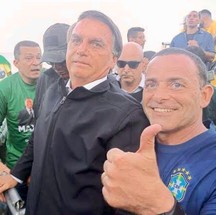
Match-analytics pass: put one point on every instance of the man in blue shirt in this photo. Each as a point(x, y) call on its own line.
point(194, 36)
point(177, 152)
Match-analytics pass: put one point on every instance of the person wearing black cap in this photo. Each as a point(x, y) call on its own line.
point(55, 47)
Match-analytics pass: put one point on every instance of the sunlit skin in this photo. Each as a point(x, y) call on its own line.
point(28, 64)
point(130, 78)
point(89, 53)
point(140, 39)
point(192, 19)
point(175, 100)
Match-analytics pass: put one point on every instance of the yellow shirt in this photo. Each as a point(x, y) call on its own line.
point(212, 28)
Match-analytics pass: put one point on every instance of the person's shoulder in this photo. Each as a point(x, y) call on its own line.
point(48, 74)
point(213, 23)
point(204, 32)
point(178, 37)
point(10, 79)
point(9, 84)
point(179, 34)
point(49, 70)
point(122, 99)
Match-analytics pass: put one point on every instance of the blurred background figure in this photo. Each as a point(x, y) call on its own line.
point(147, 56)
point(194, 36)
point(207, 23)
point(5, 70)
point(137, 35)
point(209, 112)
point(55, 47)
point(130, 70)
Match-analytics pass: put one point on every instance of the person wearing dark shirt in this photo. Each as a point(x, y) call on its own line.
point(75, 130)
point(55, 47)
point(130, 70)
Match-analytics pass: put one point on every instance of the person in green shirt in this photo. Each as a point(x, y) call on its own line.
point(5, 70)
point(15, 91)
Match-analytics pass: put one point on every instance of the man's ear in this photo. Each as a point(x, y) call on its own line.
point(207, 93)
point(15, 62)
point(114, 61)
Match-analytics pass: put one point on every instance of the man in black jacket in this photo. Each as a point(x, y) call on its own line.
point(74, 132)
point(130, 70)
point(55, 48)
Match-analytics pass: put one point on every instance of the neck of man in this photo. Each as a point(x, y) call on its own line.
point(192, 29)
point(207, 23)
point(182, 135)
point(28, 80)
point(130, 86)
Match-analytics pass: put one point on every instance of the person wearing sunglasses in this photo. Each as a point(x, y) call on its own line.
point(130, 70)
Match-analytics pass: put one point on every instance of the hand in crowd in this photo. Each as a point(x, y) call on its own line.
point(193, 43)
point(4, 168)
point(131, 181)
point(6, 180)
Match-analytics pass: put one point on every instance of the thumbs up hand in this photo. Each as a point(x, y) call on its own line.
point(131, 181)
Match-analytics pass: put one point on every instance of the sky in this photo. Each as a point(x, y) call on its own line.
point(29, 19)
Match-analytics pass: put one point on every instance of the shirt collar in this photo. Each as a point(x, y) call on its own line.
point(141, 84)
point(88, 86)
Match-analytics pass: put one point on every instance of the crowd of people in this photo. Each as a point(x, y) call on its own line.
point(111, 128)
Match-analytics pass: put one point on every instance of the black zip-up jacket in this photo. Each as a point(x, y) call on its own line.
point(71, 139)
point(47, 78)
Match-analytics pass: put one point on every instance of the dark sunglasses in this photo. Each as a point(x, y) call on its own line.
point(131, 64)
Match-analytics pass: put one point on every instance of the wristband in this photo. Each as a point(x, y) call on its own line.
point(176, 210)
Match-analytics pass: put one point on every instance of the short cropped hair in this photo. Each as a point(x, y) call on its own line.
point(94, 14)
point(26, 43)
point(201, 67)
point(197, 51)
point(132, 32)
point(205, 12)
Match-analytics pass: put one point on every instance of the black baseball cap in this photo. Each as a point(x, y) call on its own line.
point(55, 43)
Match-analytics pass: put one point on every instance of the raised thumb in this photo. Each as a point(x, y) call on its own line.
point(148, 137)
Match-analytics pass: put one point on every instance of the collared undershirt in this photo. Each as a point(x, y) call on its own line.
point(88, 86)
point(140, 86)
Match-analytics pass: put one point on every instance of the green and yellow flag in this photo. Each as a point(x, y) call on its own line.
point(5, 67)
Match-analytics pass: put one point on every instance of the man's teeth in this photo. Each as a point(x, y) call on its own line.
point(163, 110)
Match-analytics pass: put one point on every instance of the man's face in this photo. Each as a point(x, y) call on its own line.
point(128, 75)
point(89, 54)
point(192, 19)
point(28, 63)
point(28, 103)
point(140, 39)
point(61, 69)
point(173, 96)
